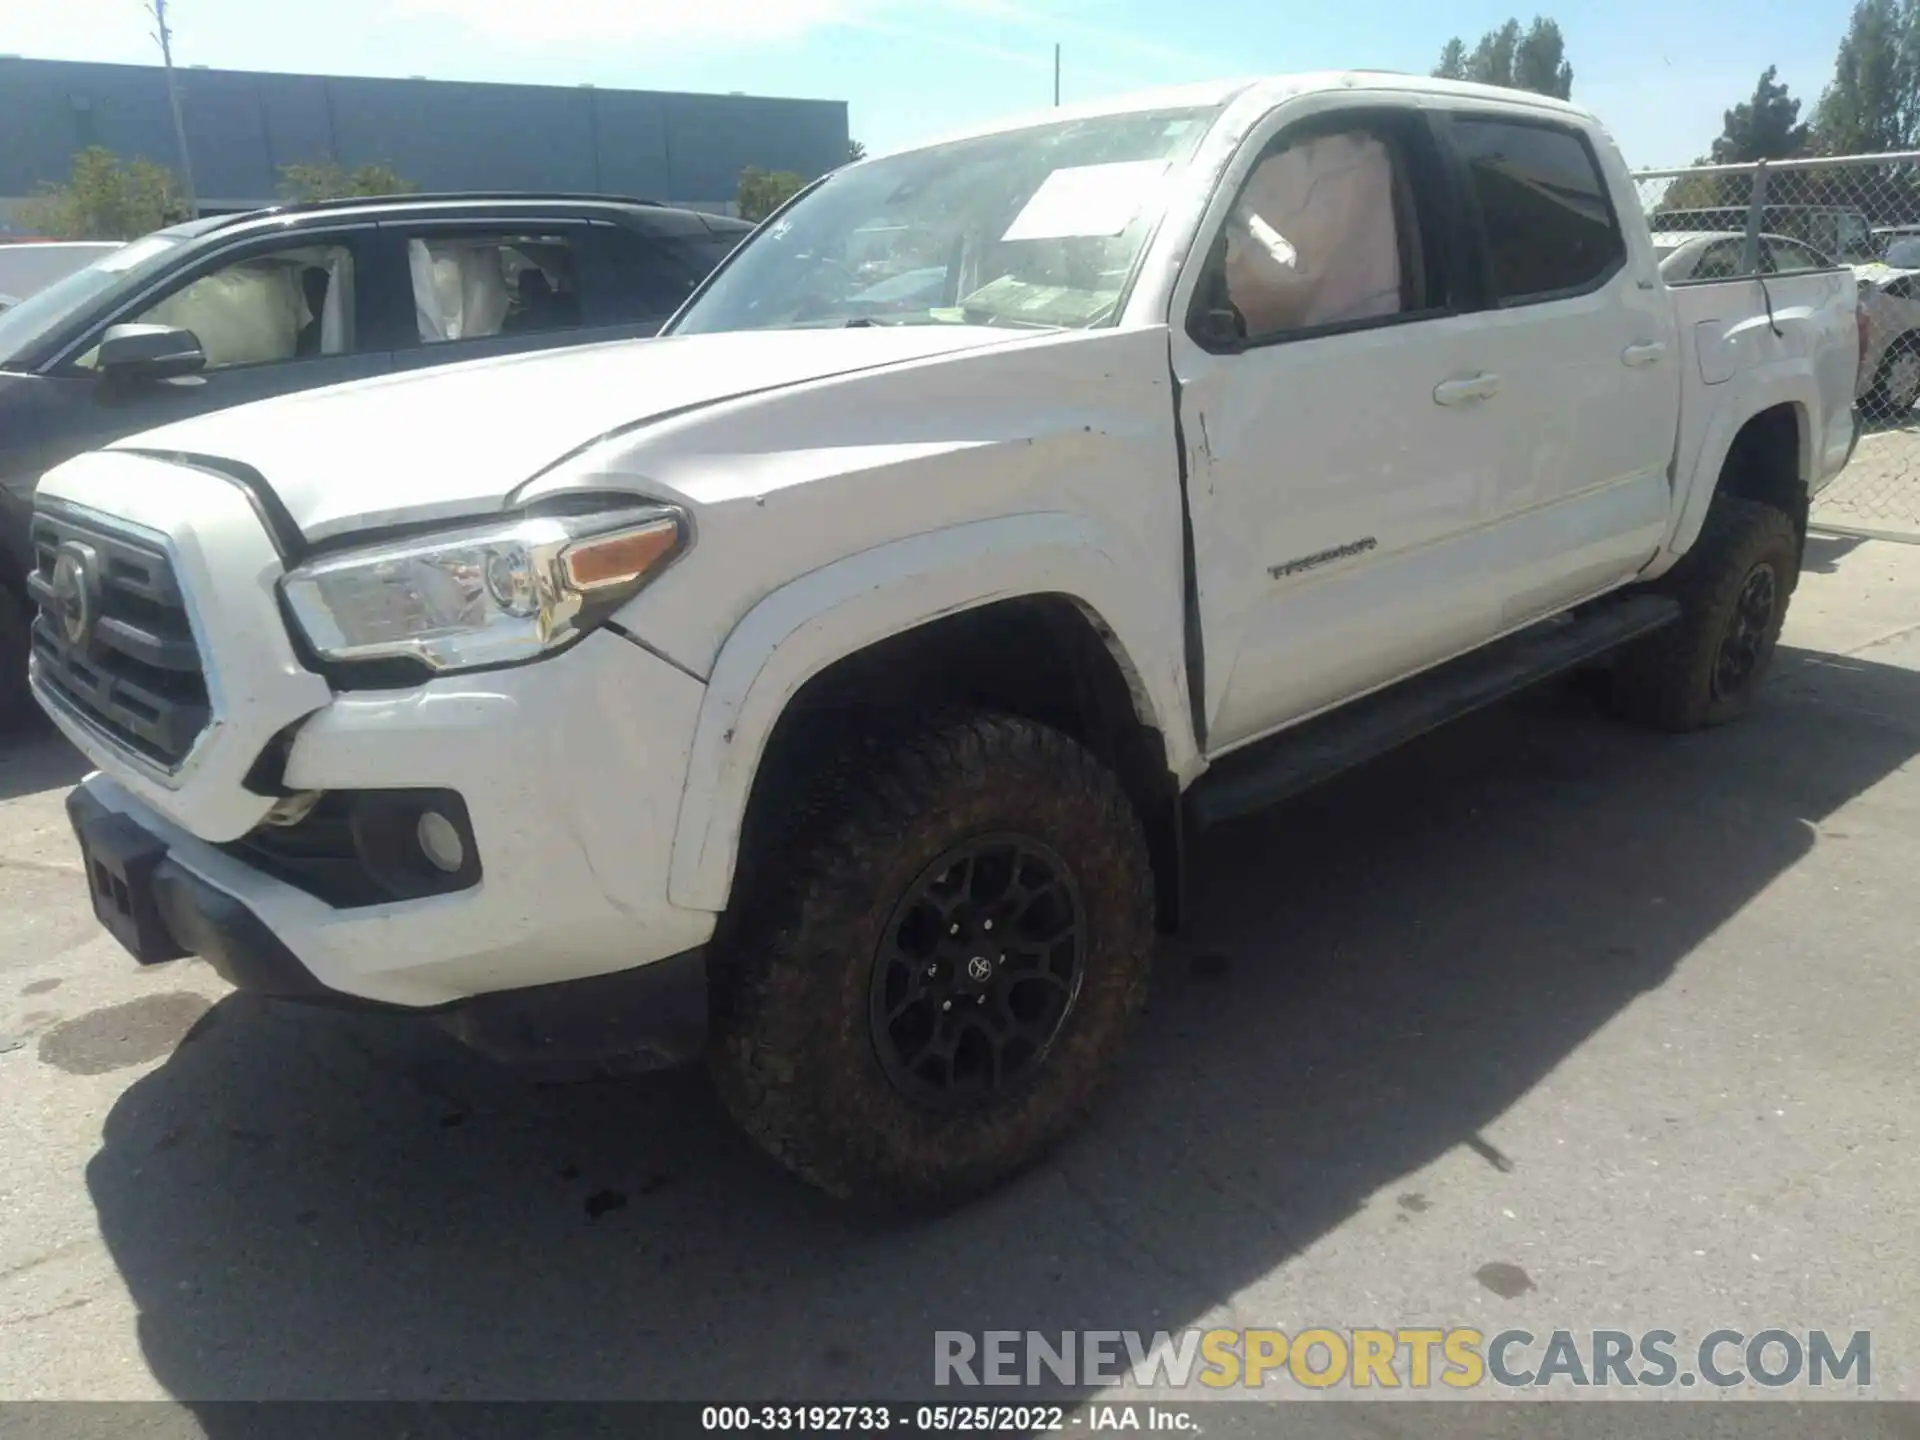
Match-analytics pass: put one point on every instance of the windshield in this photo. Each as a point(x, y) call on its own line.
point(1037, 227)
point(23, 325)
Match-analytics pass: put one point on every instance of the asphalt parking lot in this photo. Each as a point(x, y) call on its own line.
point(1543, 1022)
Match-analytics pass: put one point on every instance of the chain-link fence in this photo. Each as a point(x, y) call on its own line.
point(1727, 221)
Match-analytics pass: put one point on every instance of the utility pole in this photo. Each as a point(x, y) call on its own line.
point(164, 36)
point(1056, 74)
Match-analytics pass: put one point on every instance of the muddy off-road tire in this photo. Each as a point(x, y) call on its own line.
point(1733, 587)
point(929, 985)
point(16, 700)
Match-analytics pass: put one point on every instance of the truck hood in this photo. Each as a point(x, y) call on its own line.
point(454, 441)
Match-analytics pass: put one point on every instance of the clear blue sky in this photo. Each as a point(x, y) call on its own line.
point(1659, 72)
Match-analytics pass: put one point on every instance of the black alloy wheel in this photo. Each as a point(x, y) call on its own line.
point(1749, 630)
point(979, 966)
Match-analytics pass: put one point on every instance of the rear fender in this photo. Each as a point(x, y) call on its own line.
point(1698, 466)
point(1747, 346)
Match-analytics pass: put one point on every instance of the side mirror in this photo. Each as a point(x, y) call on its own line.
point(1220, 328)
point(149, 352)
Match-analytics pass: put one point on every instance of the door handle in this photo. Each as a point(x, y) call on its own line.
point(1649, 354)
point(1459, 392)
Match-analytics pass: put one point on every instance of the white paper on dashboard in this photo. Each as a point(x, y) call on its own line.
point(1087, 201)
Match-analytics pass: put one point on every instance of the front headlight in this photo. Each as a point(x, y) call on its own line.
point(491, 595)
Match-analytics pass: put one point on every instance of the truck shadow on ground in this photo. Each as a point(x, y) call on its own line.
point(35, 757)
point(317, 1205)
point(1825, 552)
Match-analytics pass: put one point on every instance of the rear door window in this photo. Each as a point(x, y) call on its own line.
point(469, 285)
point(1549, 225)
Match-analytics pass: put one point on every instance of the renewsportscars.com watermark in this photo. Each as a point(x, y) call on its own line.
point(1411, 1358)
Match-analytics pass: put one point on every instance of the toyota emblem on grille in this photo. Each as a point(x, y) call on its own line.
point(75, 590)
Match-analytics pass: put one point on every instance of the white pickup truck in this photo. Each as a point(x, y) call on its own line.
point(831, 685)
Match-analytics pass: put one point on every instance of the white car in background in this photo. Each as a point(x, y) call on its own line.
point(1717, 255)
point(1889, 381)
point(1890, 364)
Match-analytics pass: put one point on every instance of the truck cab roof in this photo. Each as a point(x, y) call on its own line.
point(1263, 92)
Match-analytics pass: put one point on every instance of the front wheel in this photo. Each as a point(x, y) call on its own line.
point(941, 969)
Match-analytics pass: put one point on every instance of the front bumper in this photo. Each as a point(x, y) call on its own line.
point(571, 771)
point(160, 910)
point(568, 774)
point(651, 1016)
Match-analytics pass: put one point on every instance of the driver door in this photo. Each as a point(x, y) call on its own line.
point(1341, 428)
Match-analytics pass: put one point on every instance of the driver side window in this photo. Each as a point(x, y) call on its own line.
point(1325, 234)
point(262, 309)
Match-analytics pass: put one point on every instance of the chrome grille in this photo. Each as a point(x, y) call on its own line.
point(111, 638)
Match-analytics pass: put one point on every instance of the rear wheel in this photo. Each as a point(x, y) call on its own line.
point(1733, 586)
point(937, 976)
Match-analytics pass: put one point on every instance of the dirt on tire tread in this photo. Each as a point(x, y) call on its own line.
point(1664, 680)
point(790, 959)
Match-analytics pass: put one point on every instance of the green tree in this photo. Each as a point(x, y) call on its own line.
point(1704, 192)
point(1540, 61)
point(1862, 112)
point(1873, 103)
point(107, 198)
point(330, 180)
point(855, 152)
point(1763, 127)
point(1492, 60)
point(762, 192)
point(1532, 59)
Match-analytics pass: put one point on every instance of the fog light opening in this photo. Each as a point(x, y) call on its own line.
point(439, 840)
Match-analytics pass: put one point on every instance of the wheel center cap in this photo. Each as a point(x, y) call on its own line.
point(980, 969)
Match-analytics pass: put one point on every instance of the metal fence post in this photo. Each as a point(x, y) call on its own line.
point(1756, 208)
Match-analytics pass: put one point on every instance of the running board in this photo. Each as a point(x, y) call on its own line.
point(1272, 770)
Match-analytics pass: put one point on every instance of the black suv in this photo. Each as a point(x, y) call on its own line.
point(225, 310)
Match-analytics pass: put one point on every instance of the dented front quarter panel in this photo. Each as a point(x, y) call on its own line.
point(781, 484)
point(831, 514)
